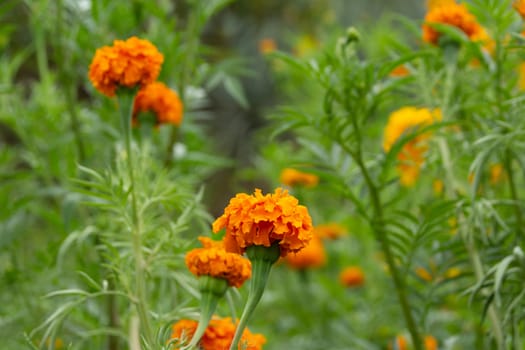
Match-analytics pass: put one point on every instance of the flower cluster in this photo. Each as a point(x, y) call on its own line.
point(263, 220)
point(411, 157)
point(218, 335)
point(214, 261)
point(456, 15)
point(161, 100)
point(127, 63)
point(292, 177)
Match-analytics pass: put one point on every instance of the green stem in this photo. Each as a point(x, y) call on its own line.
point(379, 228)
point(126, 98)
point(262, 259)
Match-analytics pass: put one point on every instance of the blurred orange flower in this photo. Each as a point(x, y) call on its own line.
point(214, 261)
point(267, 45)
point(456, 15)
point(330, 231)
point(311, 256)
point(161, 100)
point(437, 187)
point(430, 342)
point(424, 274)
point(519, 6)
point(435, 3)
point(400, 343)
point(292, 177)
point(352, 276)
point(411, 157)
point(218, 335)
point(263, 220)
point(497, 173)
point(127, 63)
point(400, 71)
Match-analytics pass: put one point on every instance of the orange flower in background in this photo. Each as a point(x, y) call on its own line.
point(424, 274)
point(401, 343)
point(431, 4)
point(330, 231)
point(519, 6)
point(497, 173)
point(267, 45)
point(399, 72)
point(411, 157)
point(218, 335)
point(521, 76)
point(216, 262)
point(352, 276)
point(292, 177)
point(263, 220)
point(311, 256)
point(162, 101)
point(456, 15)
point(430, 342)
point(437, 187)
point(127, 63)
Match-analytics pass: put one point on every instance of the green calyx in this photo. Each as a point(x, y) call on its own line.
point(215, 286)
point(269, 254)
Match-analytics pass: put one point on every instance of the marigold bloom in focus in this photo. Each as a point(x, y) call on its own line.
point(267, 45)
point(292, 177)
point(162, 101)
point(330, 231)
point(519, 6)
point(263, 220)
point(411, 157)
point(218, 335)
point(456, 15)
point(311, 256)
point(352, 276)
point(216, 262)
point(127, 63)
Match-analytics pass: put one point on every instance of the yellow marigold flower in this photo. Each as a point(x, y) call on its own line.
point(292, 177)
point(437, 187)
point(161, 100)
point(263, 220)
point(267, 45)
point(127, 63)
point(497, 173)
point(218, 263)
point(311, 256)
point(400, 71)
point(424, 274)
point(330, 231)
point(218, 335)
point(519, 6)
point(453, 272)
point(352, 276)
point(456, 15)
point(411, 157)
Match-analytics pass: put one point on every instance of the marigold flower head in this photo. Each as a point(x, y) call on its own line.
point(311, 256)
point(216, 262)
point(330, 231)
point(497, 173)
point(400, 343)
point(352, 276)
point(519, 6)
point(162, 101)
point(411, 157)
point(127, 63)
point(430, 342)
point(218, 335)
point(292, 177)
point(456, 15)
point(424, 274)
point(437, 187)
point(431, 4)
point(399, 71)
point(263, 220)
point(267, 45)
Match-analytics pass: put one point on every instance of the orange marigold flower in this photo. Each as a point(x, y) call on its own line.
point(311, 256)
point(127, 63)
point(263, 220)
point(436, 3)
point(437, 187)
point(400, 71)
point(161, 100)
point(292, 177)
point(424, 274)
point(218, 335)
point(352, 276)
point(456, 15)
point(216, 262)
point(497, 173)
point(430, 342)
point(267, 45)
point(519, 6)
point(411, 157)
point(400, 343)
point(330, 231)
